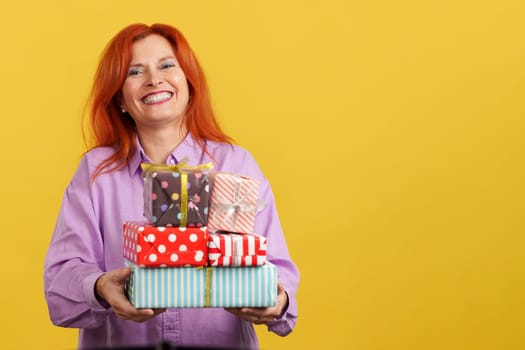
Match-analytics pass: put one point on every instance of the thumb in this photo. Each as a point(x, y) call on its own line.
point(280, 287)
point(122, 274)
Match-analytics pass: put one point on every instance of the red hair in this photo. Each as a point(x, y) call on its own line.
point(110, 127)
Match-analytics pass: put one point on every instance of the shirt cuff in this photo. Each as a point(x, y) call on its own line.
point(280, 325)
point(96, 304)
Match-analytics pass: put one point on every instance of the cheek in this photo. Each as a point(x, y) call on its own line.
point(181, 81)
point(183, 86)
point(128, 92)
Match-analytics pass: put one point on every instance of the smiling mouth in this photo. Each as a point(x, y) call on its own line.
point(157, 98)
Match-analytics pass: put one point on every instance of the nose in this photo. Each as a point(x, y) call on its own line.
point(154, 79)
point(154, 82)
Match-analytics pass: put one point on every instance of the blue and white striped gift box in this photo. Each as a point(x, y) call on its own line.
point(186, 287)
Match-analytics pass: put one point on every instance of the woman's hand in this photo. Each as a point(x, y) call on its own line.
point(110, 287)
point(263, 315)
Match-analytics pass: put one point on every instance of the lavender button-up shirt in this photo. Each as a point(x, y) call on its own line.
point(88, 241)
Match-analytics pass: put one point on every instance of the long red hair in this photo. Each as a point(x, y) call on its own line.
point(110, 127)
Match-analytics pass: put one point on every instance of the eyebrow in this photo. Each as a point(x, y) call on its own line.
point(160, 60)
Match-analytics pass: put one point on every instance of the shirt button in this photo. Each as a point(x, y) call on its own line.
point(171, 161)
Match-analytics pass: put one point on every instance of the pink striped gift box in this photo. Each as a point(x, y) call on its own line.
point(232, 249)
point(233, 202)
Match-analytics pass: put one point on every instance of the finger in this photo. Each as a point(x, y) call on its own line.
point(256, 319)
point(247, 317)
point(264, 320)
point(260, 312)
point(256, 315)
point(238, 310)
point(234, 311)
point(252, 315)
point(143, 315)
point(128, 312)
point(137, 315)
point(159, 311)
point(123, 307)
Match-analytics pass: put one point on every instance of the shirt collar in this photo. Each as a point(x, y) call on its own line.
point(138, 157)
point(187, 148)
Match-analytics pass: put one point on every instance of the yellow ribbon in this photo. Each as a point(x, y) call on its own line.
point(180, 167)
point(183, 168)
point(183, 199)
point(207, 295)
point(207, 287)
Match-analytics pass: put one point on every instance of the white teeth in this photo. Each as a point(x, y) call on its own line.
point(163, 96)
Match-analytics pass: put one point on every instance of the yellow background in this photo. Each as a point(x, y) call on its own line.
point(391, 131)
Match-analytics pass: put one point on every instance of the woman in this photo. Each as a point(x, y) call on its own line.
point(149, 103)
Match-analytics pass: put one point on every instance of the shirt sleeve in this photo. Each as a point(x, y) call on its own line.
point(74, 258)
point(267, 223)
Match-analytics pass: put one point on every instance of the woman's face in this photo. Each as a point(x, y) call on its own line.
point(155, 92)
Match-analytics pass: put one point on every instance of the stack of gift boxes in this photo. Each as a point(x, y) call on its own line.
point(198, 248)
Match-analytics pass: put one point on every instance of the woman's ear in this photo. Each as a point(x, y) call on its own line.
point(120, 103)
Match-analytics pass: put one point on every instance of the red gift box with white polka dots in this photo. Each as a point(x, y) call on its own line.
point(232, 249)
point(148, 245)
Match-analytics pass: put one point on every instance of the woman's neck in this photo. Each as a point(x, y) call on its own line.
point(159, 143)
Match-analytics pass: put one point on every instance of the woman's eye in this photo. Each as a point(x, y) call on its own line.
point(134, 71)
point(167, 65)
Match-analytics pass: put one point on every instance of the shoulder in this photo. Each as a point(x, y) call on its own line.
point(222, 150)
point(92, 159)
point(233, 158)
point(98, 155)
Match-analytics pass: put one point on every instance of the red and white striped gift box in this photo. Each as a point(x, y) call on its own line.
point(233, 202)
point(233, 249)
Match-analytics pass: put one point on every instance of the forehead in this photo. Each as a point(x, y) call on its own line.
point(153, 46)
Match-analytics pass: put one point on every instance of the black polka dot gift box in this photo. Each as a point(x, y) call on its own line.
point(176, 195)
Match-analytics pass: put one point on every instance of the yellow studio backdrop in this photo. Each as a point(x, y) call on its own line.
point(391, 132)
